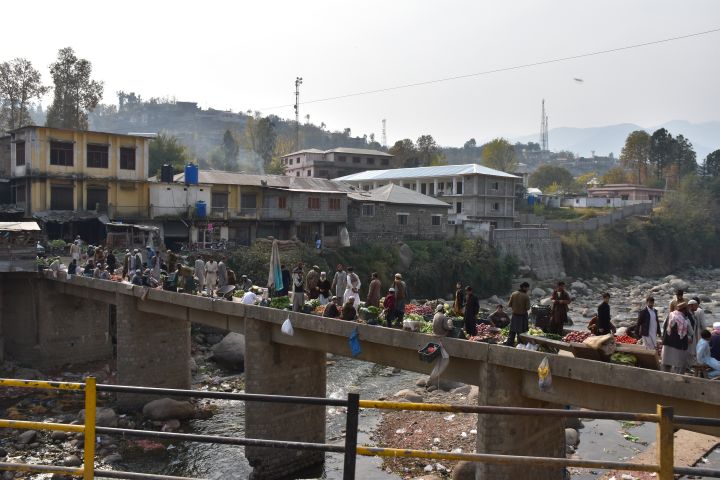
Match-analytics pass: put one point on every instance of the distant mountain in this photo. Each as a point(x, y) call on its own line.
point(705, 137)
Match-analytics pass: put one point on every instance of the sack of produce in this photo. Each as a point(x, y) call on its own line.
point(605, 344)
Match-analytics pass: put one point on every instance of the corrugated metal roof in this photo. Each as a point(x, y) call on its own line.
point(347, 150)
point(310, 184)
point(19, 226)
point(396, 194)
point(424, 172)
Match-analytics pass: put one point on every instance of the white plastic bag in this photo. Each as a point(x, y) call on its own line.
point(287, 327)
point(544, 376)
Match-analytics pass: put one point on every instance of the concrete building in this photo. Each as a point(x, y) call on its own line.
point(336, 162)
point(392, 212)
point(242, 207)
point(627, 191)
point(479, 197)
point(66, 177)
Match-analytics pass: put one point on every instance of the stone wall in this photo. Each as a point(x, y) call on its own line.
point(601, 221)
point(384, 226)
point(535, 247)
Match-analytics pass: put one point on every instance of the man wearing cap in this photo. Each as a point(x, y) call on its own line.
point(126, 264)
point(678, 299)
point(312, 281)
point(693, 334)
point(699, 314)
point(339, 282)
point(373, 296)
point(245, 283)
point(389, 308)
point(675, 340)
point(332, 310)
point(648, 324)
point(137, 278)
point(352, 289)
point(75, 250)
point(298, 296)
point(519, 304)
point(401, 297)
point(442, 326)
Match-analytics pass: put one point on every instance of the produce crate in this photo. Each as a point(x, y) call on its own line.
point(430, 352)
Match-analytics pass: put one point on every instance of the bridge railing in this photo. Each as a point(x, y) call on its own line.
point(663, 417)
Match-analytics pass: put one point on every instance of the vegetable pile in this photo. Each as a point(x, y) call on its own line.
point(576, 337)
point(625, 339)
point(623, 359)
point(418, 309)
point(280, 302)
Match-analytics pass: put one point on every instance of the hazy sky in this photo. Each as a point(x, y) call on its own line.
point(246, 55)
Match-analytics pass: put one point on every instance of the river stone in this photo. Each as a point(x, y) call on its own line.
point(538, 292)
point(72, 461)
point(230, 351)
point(112, 458)
point(409, 395)
point(464, 390)
point(167, 408)
point(494, 300)
point(193, 365)
point(464, 471)
point(56, 435)
point(104, 417)
point(572, 437)
point(171, 425)
point(26, 437)
point(678, 284)
point(579, 286)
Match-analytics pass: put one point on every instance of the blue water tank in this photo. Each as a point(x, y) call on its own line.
point(191, 174)
point(200, 209)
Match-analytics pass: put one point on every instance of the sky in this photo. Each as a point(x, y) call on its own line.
point(246, 55)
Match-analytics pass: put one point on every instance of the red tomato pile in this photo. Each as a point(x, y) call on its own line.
point(625, 339)
point(576, 337)
point(418, 309)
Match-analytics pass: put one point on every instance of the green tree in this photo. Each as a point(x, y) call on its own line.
point(260, 137)
point(684, 156)
point(405, 153)
point(75, 93)
point(428, 151)
point(283, 146)
point(470, 144)
point(661, 151)
point(615, 175)
point(167, 149)
point(20, 83)
point(500, 155)
point(711, 165)
point(546, 175)
point(635, 155)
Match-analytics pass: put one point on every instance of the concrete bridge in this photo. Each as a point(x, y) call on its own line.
point(52, 322)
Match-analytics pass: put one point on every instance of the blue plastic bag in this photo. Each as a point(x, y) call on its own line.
point(355, 343)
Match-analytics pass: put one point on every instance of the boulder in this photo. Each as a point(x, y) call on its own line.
point(443, 384)
point(546, 301)
point(464, 471)
point(579, 286)
point(57, 435)
point(26, 437)
point(230, 351)
point(538, 292)
point(171, 425)
point(112, 458)
point(472, 397)
point(167, 408)
point(524, 270)
point(494, 300)
point(104, 417)
point(572, 437)
point(464, 390)
point(409, 395)
point(72, 461)
point(678, 284)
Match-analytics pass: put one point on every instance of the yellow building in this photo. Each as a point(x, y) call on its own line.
point(65, 176)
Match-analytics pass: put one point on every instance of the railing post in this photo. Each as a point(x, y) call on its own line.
point(89, 453)
point(351, 433)
point(665, 439)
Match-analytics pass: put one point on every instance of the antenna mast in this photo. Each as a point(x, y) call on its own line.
point(384, 133)
point(298, 82)
point(544, 129)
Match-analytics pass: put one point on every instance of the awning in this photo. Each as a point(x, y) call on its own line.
point(19, 226)
point(67, 216)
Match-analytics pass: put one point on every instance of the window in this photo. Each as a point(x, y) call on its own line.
point(368, 210)
point(496, 206)
point(97, 156)
point(282, 202)
point(20, 154)
point(323, 174)
point(459, 188)
point(127, 158)
point(332, 230)
point(370, 161)
point(423, 188)
point(495, 185)
point(314, 203)
point(20, 194)
point(309, 173)
point(61, 153)
point(334, 204)
point(356, 159)
point(248, 200)
point(436, 220)
point(432, 188)
point(61, 197)
point(297, 174)
point(458, 207)
point(402, 218)
point(219, 199)
point(290, 160)
point(384, 161)
point(342, 158)
point(97, 199)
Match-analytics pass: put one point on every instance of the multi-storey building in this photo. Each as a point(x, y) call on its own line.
point(476, 194)
point(336, 162)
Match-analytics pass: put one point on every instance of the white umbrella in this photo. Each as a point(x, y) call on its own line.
point(275, 276)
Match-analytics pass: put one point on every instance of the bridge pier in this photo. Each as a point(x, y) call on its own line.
point(152, 350)
point(271, 368)
point(512, 434)
point(44, 328)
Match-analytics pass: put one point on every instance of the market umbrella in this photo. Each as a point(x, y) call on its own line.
point(275, 275)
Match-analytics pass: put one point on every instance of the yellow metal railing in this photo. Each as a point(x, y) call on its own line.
point(87, 471)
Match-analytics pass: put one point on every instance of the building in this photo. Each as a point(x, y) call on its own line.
point(479, 197)
point(392, 212)
point(336, 162)
point(627, 192)
point(242, 207)
point(68, 179)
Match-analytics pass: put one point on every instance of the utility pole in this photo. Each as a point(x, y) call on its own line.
point(298, 82)
point(544, 129)
point(384, 133)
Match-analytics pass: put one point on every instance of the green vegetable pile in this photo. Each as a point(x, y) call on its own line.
point(280, 303)
point(426, 327)
point(623, 359)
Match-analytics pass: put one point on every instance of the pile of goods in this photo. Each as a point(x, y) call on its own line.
point(371, 315)
point(488, 334)
point(576, 337)
point(625, 339)
point(281, 303)
point(319, 310)
point(623, 359)
point(426, 311)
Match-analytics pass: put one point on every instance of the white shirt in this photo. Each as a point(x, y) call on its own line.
point(702, 350)
point(249, 298)
point(700, 317)
point(652, 328)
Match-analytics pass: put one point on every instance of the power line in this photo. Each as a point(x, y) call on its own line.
point(504, 69)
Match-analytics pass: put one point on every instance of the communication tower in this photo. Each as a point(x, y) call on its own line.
point(544, 129)
point(384, 133)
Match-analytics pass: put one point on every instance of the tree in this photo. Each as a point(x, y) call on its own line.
point(711, 165)
point(167, 149)
point(581, 182)
point(428, 151)
point(75, 93)
point(500, 155)
point(546, 175)
point(684, 156)
point(470, 144)
point(260, 137)
point(661, 151)
point(230, 148)
point(283, 146)
point(19, 84)
point(635, 155)
point(405, 153)
point(615, 175)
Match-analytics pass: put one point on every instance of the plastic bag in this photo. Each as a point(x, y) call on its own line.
point(544, 376)
point(354, 342)
point(287, 327)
